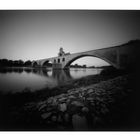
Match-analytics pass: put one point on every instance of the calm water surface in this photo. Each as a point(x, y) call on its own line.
point(18, 79)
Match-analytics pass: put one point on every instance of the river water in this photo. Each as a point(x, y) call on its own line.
point(19, 79)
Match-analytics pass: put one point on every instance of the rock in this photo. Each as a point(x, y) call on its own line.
point(68, 101)
point(92, 104)
point(99, 99)
point(70, 92)
point(50, 100)
point(62, 95)
point(89, 99)
point(77, 103)
point(54, 118)
point(81, 94)
point(46, 115)
point(90, 91)
point(79, 122)
point(71, 97)
point(63, 107)
point(42, 106)
point(83, 88)
point(54, 102)
point(62, 99)
point(41, 103)
point(85, 110)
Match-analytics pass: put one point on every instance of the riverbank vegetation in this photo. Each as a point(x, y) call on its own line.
point(14, 63)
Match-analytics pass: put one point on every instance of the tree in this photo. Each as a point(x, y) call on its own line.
point(27, 63)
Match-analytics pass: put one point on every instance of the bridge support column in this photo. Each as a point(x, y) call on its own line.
point(57, 66)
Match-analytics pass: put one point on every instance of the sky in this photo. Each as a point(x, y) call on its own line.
point(32, 35)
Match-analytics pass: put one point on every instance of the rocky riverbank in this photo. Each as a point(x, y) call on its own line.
point(99, 103)
point(97, 106)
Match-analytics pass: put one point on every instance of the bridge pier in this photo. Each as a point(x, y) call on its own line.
point(58, 66)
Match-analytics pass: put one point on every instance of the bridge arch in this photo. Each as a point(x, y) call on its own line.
point(47, 63)
point(35, 64)
point(69, 62)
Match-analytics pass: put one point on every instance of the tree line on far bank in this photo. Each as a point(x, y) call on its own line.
point(28, 63)
point(14, 63)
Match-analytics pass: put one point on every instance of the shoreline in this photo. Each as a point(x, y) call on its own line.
point(62, 107)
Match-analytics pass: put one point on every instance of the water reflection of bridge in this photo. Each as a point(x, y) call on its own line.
point(59, 75)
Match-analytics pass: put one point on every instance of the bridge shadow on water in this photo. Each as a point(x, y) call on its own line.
point(58, 75)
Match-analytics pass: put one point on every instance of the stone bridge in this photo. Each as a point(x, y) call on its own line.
point(121, 57)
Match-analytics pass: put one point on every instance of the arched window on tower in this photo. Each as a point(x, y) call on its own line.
point(54, 60)
point(63, 59)
point(58, 60)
